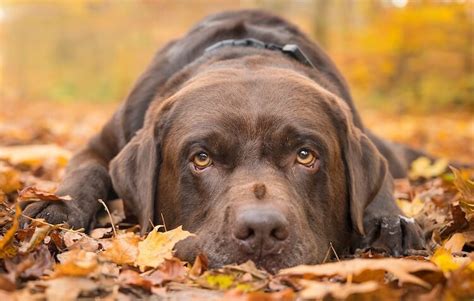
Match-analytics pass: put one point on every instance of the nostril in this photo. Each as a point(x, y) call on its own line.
point(280, 233)
point(244, 233)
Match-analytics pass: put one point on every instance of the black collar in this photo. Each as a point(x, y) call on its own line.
point(291, 50)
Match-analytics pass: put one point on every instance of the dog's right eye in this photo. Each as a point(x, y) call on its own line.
point(202, 160)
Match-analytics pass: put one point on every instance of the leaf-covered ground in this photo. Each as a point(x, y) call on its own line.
point(113, 262)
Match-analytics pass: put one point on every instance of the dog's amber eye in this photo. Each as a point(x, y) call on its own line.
point(202, 160)
point(305, 157)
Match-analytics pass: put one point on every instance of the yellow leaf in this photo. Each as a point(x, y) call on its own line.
point(123, 250)
point(444, 260)
point(220, 281)
point(157, 246)
point(411, 209)
point(466, 188)
point(422, 168)
point(448, 263)
point(7, 249)
point(76, 263)
point(9, 179)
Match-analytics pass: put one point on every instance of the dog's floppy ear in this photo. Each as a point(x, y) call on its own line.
point(367, 172)
point(134, 172)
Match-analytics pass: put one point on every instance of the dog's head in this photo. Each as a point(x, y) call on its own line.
point(260, 164)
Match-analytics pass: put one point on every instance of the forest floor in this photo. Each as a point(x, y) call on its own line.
point(113, 262)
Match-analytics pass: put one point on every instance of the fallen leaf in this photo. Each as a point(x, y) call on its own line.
point(134, 278)
point(76, 263)
point(423, 168)
point(75, 240)
point(248, 267)
point(31, 265)
point(244, 277)
point(35, 155)
point(401, 268)
point(37, 238)
point(466, 188)
point(170, 270)
point(200, 265)
point(7, 249)
point(236, 295)
point(32, 194)
point(455, 243)
point(447, 263)
point(411, 208)
point(319, 290)
point(68, 288)
point(218, 281)
point(123, 249)
point(9, 179)
point(157, 246)
point(99, 233)
point(7, 283)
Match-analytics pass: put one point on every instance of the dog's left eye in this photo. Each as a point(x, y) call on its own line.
point(305, 157)
point(202, 160)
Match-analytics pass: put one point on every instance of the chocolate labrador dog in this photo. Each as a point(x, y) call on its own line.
point(244, 132)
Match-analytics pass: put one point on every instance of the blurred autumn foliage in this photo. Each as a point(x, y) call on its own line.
point(402, 55)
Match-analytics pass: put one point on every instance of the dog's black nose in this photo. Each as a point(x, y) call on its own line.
point(261, 230)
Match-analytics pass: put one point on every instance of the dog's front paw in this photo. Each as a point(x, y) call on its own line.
point(55, 213)
point(394, 234)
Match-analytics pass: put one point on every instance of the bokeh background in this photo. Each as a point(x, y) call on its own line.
point(401, 58)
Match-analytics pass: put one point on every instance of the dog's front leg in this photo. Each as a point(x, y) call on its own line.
point(87, 180)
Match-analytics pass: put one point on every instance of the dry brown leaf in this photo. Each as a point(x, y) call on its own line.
point(401, 268)
point(99, 233)
point(248, 267)
point(170, 270)
point(75, 240)
point(200, 265)
point(134, 278)
point(31, 265)
point(7, 282)
point(32, 194)
point(38, 236)
point(76, 263)
point(319, 290)
point(157, 246)
point(123, 249)
point(236, 295)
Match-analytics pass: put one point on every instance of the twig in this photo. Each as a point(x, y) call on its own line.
point(110, 216)
point(327, 254)
point(163, 219)
point(331, 247)
point(334, 251)
point(151, 223)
